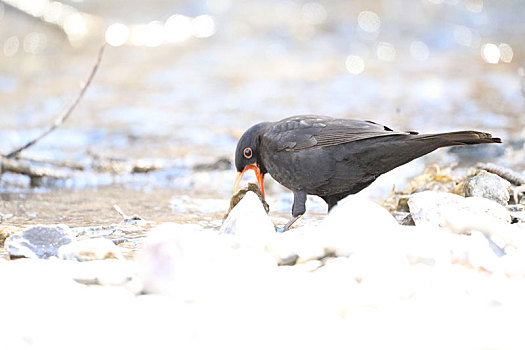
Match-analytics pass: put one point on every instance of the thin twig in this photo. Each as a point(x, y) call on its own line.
point(510, 175)
point(120, 211)
point(63, 118)
point(128, 220)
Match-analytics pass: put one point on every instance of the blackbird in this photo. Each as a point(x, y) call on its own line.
point(333, 158)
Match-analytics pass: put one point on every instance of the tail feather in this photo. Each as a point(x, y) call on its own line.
point(459, 138)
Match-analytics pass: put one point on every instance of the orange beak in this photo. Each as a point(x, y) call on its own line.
point(258, 175)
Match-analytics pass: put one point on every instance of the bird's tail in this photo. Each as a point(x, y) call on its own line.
point(459, 138)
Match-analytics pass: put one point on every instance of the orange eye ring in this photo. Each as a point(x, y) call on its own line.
point(247, 153)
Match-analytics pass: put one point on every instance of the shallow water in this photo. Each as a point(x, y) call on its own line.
point(185, 105)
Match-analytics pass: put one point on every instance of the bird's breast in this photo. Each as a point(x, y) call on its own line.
point(303, 170)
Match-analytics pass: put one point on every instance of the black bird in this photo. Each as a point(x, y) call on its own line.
point(332, 158)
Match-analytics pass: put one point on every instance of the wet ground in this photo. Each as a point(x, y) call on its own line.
point(184, 105)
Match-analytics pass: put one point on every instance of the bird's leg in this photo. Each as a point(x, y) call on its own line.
point(334, 199)
point(298, 209)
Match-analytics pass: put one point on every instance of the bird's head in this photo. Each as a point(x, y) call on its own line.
point(247, 155)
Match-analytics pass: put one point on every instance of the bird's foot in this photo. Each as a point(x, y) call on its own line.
point(288, 224)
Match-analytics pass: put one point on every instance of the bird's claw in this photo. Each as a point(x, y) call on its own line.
point(280, 229)
point(288, 224)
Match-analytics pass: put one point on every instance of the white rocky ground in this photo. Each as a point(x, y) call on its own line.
point(357, 280)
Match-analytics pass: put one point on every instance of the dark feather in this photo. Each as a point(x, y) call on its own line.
point(303, 132)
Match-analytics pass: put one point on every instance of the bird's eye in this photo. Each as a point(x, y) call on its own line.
point(248, 152)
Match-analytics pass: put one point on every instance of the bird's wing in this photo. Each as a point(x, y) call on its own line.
point(303, 132)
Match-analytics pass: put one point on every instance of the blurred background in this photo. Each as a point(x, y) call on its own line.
point(181, 80)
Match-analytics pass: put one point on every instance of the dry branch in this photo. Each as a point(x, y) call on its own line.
point(35, 172)
point(59, 121)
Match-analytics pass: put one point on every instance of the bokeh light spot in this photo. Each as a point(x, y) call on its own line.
point(11, 46)
point(369, 21)
point(178, 28)
point(54, 12)
point(138, 36)
point(313, 13)
point(466, 37)
point(506, 52)
point(75, 26)
point(34, 43)
point(355, 64)
point(386, 51)
point(490, 53)
point(203, 26)
point(38, 7)
point(117, 34)
point(154, 34)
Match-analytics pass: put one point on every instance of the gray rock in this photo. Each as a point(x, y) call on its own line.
point(90, 249)
point(40, 242)
point(488, 185)
point(249, 222)
point(435, 208)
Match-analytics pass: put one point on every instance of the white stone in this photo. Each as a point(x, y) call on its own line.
point(195, 264)
point(45, 308)
point(425, 207)
point(303, 244)
point(109, 272)
point(433, 208)
point(90, 249)
point(249, 223)
point(357, 223)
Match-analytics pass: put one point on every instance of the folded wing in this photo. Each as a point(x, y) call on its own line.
point(304, 132)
